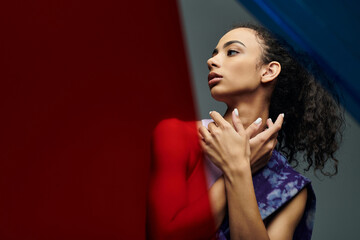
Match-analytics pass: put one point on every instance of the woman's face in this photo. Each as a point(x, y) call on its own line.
point(234, 65)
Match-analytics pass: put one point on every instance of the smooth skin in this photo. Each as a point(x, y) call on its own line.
point(246, 85)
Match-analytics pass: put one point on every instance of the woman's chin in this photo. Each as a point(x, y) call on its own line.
point(217, 94)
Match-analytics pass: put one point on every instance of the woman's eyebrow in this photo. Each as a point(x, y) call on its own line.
point(231, 42)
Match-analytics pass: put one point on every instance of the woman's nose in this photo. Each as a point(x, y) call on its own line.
point(212, 62)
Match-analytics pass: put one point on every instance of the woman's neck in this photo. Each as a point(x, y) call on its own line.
point(249, 109)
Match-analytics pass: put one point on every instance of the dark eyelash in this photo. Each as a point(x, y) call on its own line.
point(229, 53)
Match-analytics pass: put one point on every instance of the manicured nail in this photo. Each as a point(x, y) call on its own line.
point(258, 121)
point(210, 112)
point(283, 115)
point(236, 112)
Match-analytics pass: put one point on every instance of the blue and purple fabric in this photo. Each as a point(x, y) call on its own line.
point(275, 185)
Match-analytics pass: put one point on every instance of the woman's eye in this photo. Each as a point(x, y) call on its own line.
point(232, 52)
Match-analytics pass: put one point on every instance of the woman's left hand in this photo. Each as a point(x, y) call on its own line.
point(263, 144)
point(227, 147)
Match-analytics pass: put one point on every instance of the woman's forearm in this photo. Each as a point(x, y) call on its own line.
point(173, 214)
point(244, 216)
point(217, 197)
point(193, 221)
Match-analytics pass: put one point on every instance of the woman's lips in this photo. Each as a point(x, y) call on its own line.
point(214, 78)
point(214, 81)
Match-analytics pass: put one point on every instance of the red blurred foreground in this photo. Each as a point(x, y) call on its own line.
point(83, 84)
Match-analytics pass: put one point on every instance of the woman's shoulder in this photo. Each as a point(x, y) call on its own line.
point(280, 167)
point(176, 131)
point(175, 125)
point(278, 183)
point(174, 140)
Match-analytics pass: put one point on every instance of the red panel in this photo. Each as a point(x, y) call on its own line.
point(83, 83)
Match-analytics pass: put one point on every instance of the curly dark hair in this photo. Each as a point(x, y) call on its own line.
point(313, 117)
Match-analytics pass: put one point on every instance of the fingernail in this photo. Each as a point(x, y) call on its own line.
point(258, 121)
point(236, 112)
point(283, 115)
point(210, 112)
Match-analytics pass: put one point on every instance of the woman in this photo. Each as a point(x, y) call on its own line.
point(258, 77)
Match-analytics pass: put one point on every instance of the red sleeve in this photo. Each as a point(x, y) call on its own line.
point(170, 215)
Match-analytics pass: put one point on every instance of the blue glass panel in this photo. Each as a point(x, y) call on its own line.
point(327, 30)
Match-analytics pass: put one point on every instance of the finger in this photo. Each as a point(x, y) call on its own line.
point(204, 146)
point(218, 119)
point(211, 127)
point(236, 121)
point(200, 136)
point(204, 133)
point(269, 122)
point(275, 127)
point(280, 119)
point(264, 136)
point(251, 130)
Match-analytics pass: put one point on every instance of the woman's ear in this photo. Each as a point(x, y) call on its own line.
point(270, 72)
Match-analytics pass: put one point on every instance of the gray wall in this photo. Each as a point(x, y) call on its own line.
point(204, 22)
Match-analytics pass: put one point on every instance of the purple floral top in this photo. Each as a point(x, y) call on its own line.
point(275, 185)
